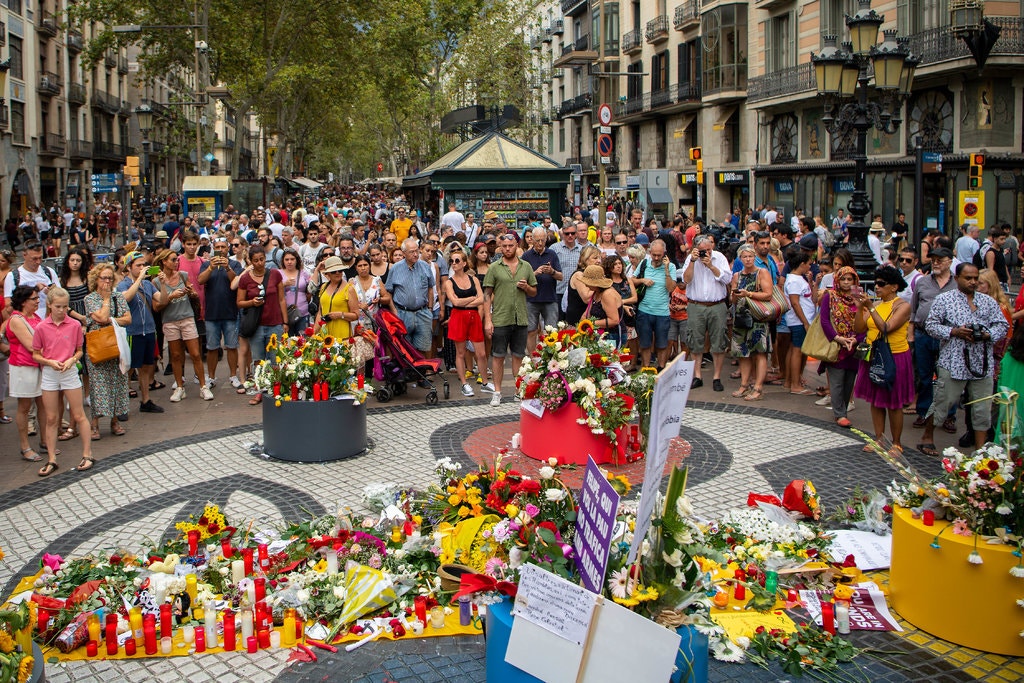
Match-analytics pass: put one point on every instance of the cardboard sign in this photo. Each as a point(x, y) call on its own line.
point(671, 390)
point(744, 623)
point(551, 602)
point(868, 610)
point(595, 526)
point(870, 550)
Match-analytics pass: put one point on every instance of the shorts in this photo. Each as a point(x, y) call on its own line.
point(183, 330)
point(677, 330)
point(58, 381)
point(25, 382)
point(797, 334)
point(541, 314)
point(226, 330)
point(509, 339)
point(652, 328)
point(143, 349)
point(710, 321)
point(464, 324)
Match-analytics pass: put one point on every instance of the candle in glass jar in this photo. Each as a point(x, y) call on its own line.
point(149, 633)
point(237, 571)
point(200, 640)
point(166, 623)
point(247, 560)
point(188, 633)
point(135, 620)
point(246, 624)
point(928, 518)
point(166, 644)
point(437, 617)
point(92, 648)
point(295, 391)
point(250, 645)
point(275, 639)
point(288, 632)
point(360, 381)
point(210, 622)
point(332, 561)
point(250, 593)
point(264, 638)
point(225, 548)
point(92, 623)
point(828, 622)
point(260, 585)
point(129, 647)
point(193, 542)
point(465, 610)
point(264, 557)
point(111, 634)
point(417, 627)
point(229, 630)
point(420, 607)
point(191, 588)
point(262, 616)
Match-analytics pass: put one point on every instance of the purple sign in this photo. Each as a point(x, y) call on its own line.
point(594, 526)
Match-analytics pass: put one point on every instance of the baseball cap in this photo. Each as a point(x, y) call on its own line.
point(809, 242)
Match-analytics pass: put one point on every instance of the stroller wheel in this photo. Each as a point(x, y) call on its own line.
point(432, 398)
point(398, 388)
point(383, 395)
point(447, 390)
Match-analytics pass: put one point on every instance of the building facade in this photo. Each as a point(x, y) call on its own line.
point(736, 80)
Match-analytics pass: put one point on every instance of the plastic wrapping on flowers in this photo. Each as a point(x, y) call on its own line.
point(295, 364)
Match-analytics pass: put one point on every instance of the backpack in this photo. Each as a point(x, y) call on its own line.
point(16, 274)
point(979, 256)
point(829, 238)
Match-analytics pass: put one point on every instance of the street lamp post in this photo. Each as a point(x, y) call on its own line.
point(842, 79)
point(144, 116)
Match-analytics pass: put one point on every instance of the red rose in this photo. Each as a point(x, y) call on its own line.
point(530, 487)
point(213, 528)
point(297, 354)
point(309, 330)
point(203, 521)
point(993, 465)
point(532, 389)
point(115, 560)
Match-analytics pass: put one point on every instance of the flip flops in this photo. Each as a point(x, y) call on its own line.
point(35, 456)
point(86, 464)
point(155, 384)
point(68, 434)
point(928, 449)
point(5, 420)
point(48, 469)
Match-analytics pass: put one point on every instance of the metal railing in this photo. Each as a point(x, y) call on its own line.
point(110, 58)
point(156, 146)
point(677, 93)
point(535, 42)
point(122, 64)
point(76, 93)
point(125, 109)
point(109, 150)
point(632, 41)
point(546, 35)
point(657, 29)
point(573, 7)
point(161, 110)
point(558, 27)
point(5, 117)
point(54, 144)
point(795, 79)
point(105, 101)
point(586, 162)
point(940, 44)
point(576, 104)
point(47, 23)
point(49, 83)
point(686, 14)
point(76, 43)
point(581, 44)
point(80, 149)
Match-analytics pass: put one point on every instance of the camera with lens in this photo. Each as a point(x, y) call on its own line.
point(977, 332)
point(702, 253)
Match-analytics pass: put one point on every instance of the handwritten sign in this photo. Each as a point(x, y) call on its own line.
point(671, 389)
point(868, 610)
point(870, 550)
point(534, 407)
point(554, 604)
point(745, 622)
point(595, 526)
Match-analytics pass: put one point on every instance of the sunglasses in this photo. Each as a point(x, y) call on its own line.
point(621, 241)
point(568, 232)
point(508, 238)
point(906, 260)
point(761, 234)
point(881, 283)
point(457, 260)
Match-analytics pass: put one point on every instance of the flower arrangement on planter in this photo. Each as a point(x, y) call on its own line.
point(310, 367)
point(16, 624)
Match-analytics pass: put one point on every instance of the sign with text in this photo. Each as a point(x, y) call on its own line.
point(868, 610)
point(870, 550)
point(595, 526)
point(671, 389)
point(554, 604)
point(972, 207)
point(732, 178)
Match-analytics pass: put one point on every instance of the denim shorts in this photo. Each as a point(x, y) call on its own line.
point(221, 329)
point(143, 349)
point(508, 339)
point(652, 328)
point(797, 333)
point(418, 327)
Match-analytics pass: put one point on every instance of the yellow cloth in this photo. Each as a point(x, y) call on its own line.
point(898, 337)
point(401, 229)
point(336, 303)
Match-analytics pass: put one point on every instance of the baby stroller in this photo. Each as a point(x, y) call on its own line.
point(396, 362)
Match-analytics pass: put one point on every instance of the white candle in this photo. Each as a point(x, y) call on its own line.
point(332, 561)
point(166, 645)
point(237, 570)
point(210, 615)
point(275, 639)
point(160, 595)
point(188, 632)
point(251, 592)
point(246, 625)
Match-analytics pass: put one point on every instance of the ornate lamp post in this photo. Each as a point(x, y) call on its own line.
point(967, 22)
point(144, 115)
point(842, 78)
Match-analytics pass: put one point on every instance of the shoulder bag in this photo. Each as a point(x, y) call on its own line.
point(293, 308)
point(641, 290)
point(101, 343)
point(772, 309)
point(249, 320)
point(816, 344)
point(882, 366)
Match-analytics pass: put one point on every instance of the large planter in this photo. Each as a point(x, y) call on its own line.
point(314, 431)
point(939, 591)
point(499, 629)
point(692, 658)
point(557, 434)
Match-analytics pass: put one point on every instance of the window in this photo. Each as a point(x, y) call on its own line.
point(17, 67)
point(14, 6)
point(561, 138)
point(780, 46)
point(833, 17)
point(634, 157)
point(18, 122)
point(659, 72)
point(661, 140)
point(725, 40)
point(635, 84)
point(688, 68)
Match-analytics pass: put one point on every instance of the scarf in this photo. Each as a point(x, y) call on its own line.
point(843, 306)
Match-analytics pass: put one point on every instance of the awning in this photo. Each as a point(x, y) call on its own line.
point(207, 183)
point(306, 183)
point(724, 118)
point(686, 121)
point(658, 195)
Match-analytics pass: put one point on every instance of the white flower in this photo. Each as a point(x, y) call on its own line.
point(223, 571)
point(606, 383)
point(339, 592)
point(683, 507)
point(620, 584)
point(1004, 509)
point(975, 558)
point(515, 558)
point(1017, 571)
point(725, 651)
point(211, 549)
point(1020, 603)
point(546, 472)
point(675, 559)
point(302, 596)
point(554, 495)
point(553, 461)
point(743, 642)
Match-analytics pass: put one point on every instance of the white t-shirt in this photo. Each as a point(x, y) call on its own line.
point(45, 276)
point(454, 220)
point(770, 217)
point(796, 284)
point(308, 255)
point(276, 228)
point(876, 247)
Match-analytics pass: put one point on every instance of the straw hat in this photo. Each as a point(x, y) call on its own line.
point(333, 264)
point(593, 276)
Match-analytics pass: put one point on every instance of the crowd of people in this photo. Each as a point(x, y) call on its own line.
point(475, 294)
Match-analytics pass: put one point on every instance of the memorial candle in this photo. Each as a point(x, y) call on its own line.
point(250, 645)
point(288, 632)
point(166, 645)
point(193, 542)
point(200, 640)
point(263, 619)
point(264, 638)
point(295, 391)
point(237, 571)
point(261, 588)
point(332, 561)
point(92, 623)
point(191, 588)
point(135, 620)
point(437, 617)
point(111, 634)
point(229, 630)
point(129, 647)
point(465, 610)
point(188, 633)
point(225, 548)
point(91, 648)
point(928, 518)
point(149, 633)
point(246, 624)
point(210, 621)
point(360, 381)
point(828, 622)
point(275, 639)
point(166, 624)
point(264, 557)
point(420, 606)
point(247, 560)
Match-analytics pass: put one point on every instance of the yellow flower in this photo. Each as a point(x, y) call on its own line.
point(627, 602)
point(417, 520)
point(585, 327)
point(645, 593)
point(6, 643)
point(464, 511)
point(454, 499)
point(277, 403)
point(25, 668)
point(511, 510)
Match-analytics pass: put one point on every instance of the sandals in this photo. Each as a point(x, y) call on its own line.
point(822, 391)
point(133, 394)
point(256, 400)
point(741, 392)
point(68, 434)
point(734, 375)
point(774, 382)
point(5, 420)
point(802, 392)
point(35, 456)
point(48, 469)
point(844, 423)
point(156, 384)
point(116, 429)
point(754, 395)
point(240, 391)
point(96, 434)
point(949, 425)
point(86, 464)
point(928, 449)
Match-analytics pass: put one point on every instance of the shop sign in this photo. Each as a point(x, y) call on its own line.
point(687, 178)
point(632, 183)
point(732, 178)
point(843, 185)
point(784, 186)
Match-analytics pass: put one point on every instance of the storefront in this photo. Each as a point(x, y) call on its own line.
point(492, 173)
point(781, 194)
point(735, 185)
point(688, 193)
point(206, 196)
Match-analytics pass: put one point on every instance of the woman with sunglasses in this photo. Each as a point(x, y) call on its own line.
point(465, 293)
point(173, 299)
point(25, 377)
point(891, 316)
point(108, 386)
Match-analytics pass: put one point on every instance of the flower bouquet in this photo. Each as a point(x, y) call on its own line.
point(16, 624)
point(310, 367)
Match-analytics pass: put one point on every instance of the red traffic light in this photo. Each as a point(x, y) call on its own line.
point(978, 159)
point(695, 153)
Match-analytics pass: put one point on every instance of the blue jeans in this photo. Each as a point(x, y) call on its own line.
point(926, 355)
point(418, 327)
point(258, 342)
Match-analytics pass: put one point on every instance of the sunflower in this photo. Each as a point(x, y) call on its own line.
point(6, 643)
point(585, 327)
point(645, 593)
point(272, 344)
point(328, 341)
point(25, 668)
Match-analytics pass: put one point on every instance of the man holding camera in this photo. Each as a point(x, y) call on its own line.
point(967, 325)
point(216, 276)
point(707, 275)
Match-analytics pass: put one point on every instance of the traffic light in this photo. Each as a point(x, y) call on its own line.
point(977, 166)
point(695, 154)
point(700, 165)
point(700, 177)
point(131, 170)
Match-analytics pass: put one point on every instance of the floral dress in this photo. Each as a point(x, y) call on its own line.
point(757, 339)
point(108, 386)
point(371, 296)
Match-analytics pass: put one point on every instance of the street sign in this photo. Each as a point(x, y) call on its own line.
point(105, 182)
point(931, 162)
point(380, 168)
point(604, 115)
point(605, 129)
point(972, 208)
point(209, 157)
point(604, 145)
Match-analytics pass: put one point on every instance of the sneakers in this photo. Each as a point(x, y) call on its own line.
point(480, 380)
point(195, 380)
point(496, 399)
point(824, 401)
point(467, 390)
point(489, 388)
point(150, 407)
point(235, 382)
point(851, 406)
point(211, 382)
point(205, 393)
point(251, 391)
point(177, 394)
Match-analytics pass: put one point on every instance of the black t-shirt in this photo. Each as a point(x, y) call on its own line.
point(220, 298)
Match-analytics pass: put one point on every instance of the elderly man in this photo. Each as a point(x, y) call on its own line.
point(968, 324)
point(658, 275)
point(568, 252)
point(542, 308)
point(707, 275)
point(926, 348)
point(411, 285)
point(506, 286)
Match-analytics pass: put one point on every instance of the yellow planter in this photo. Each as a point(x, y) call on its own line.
point(939, 591)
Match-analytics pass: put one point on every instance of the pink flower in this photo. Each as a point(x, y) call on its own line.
point(375, 561)
point(960, 528)
point(531, 509)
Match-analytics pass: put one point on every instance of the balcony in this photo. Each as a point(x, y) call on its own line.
point(572, 8)
point(771, 4)
point(157, 147)
point(49, 83)
point(125, 110)
point(787, 82)
point(535, 42)
point(657, 30)
point(80, 149)
point(632, 42)
point(726, 82)
point(687, 15)
point(53, 145)
point(679, 96)
point(577, 53)
point(110, 151)
point(576, 106)
point(587, 163)
point(105, 101)
point(122, 64)
point(557, 27)
point(940, 45)
point(558, 73)
point(245, 152)
point(75, 41)
point(47, 25)
point(76, 93)
point(545, 76)
point(545, 35)
point(161, 110)
point(110, 58)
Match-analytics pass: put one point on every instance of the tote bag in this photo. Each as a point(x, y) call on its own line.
point(772, 309)
point(816, 344)
point(102, 345)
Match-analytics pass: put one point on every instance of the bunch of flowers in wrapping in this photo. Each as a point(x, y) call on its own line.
point(16, 660)
point(578, 364)
point(311, 366)
point(749, 534)
point(985, 489)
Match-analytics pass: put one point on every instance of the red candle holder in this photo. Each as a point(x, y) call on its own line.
point(247, 560)
point(193, 542)
point(928, 518)
point(226, 549)
point(229, 630)
point(261, 588)
point(361, 381)
point(264, 557)
point(420, 604)
point(264, 639)
point(166, 620)
point(828, 621)
point(200, 640)
point(149, 633)
point(250, 645)
point(111, 634)
point(295, 391)
point(129, 647)
point(92, 648)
